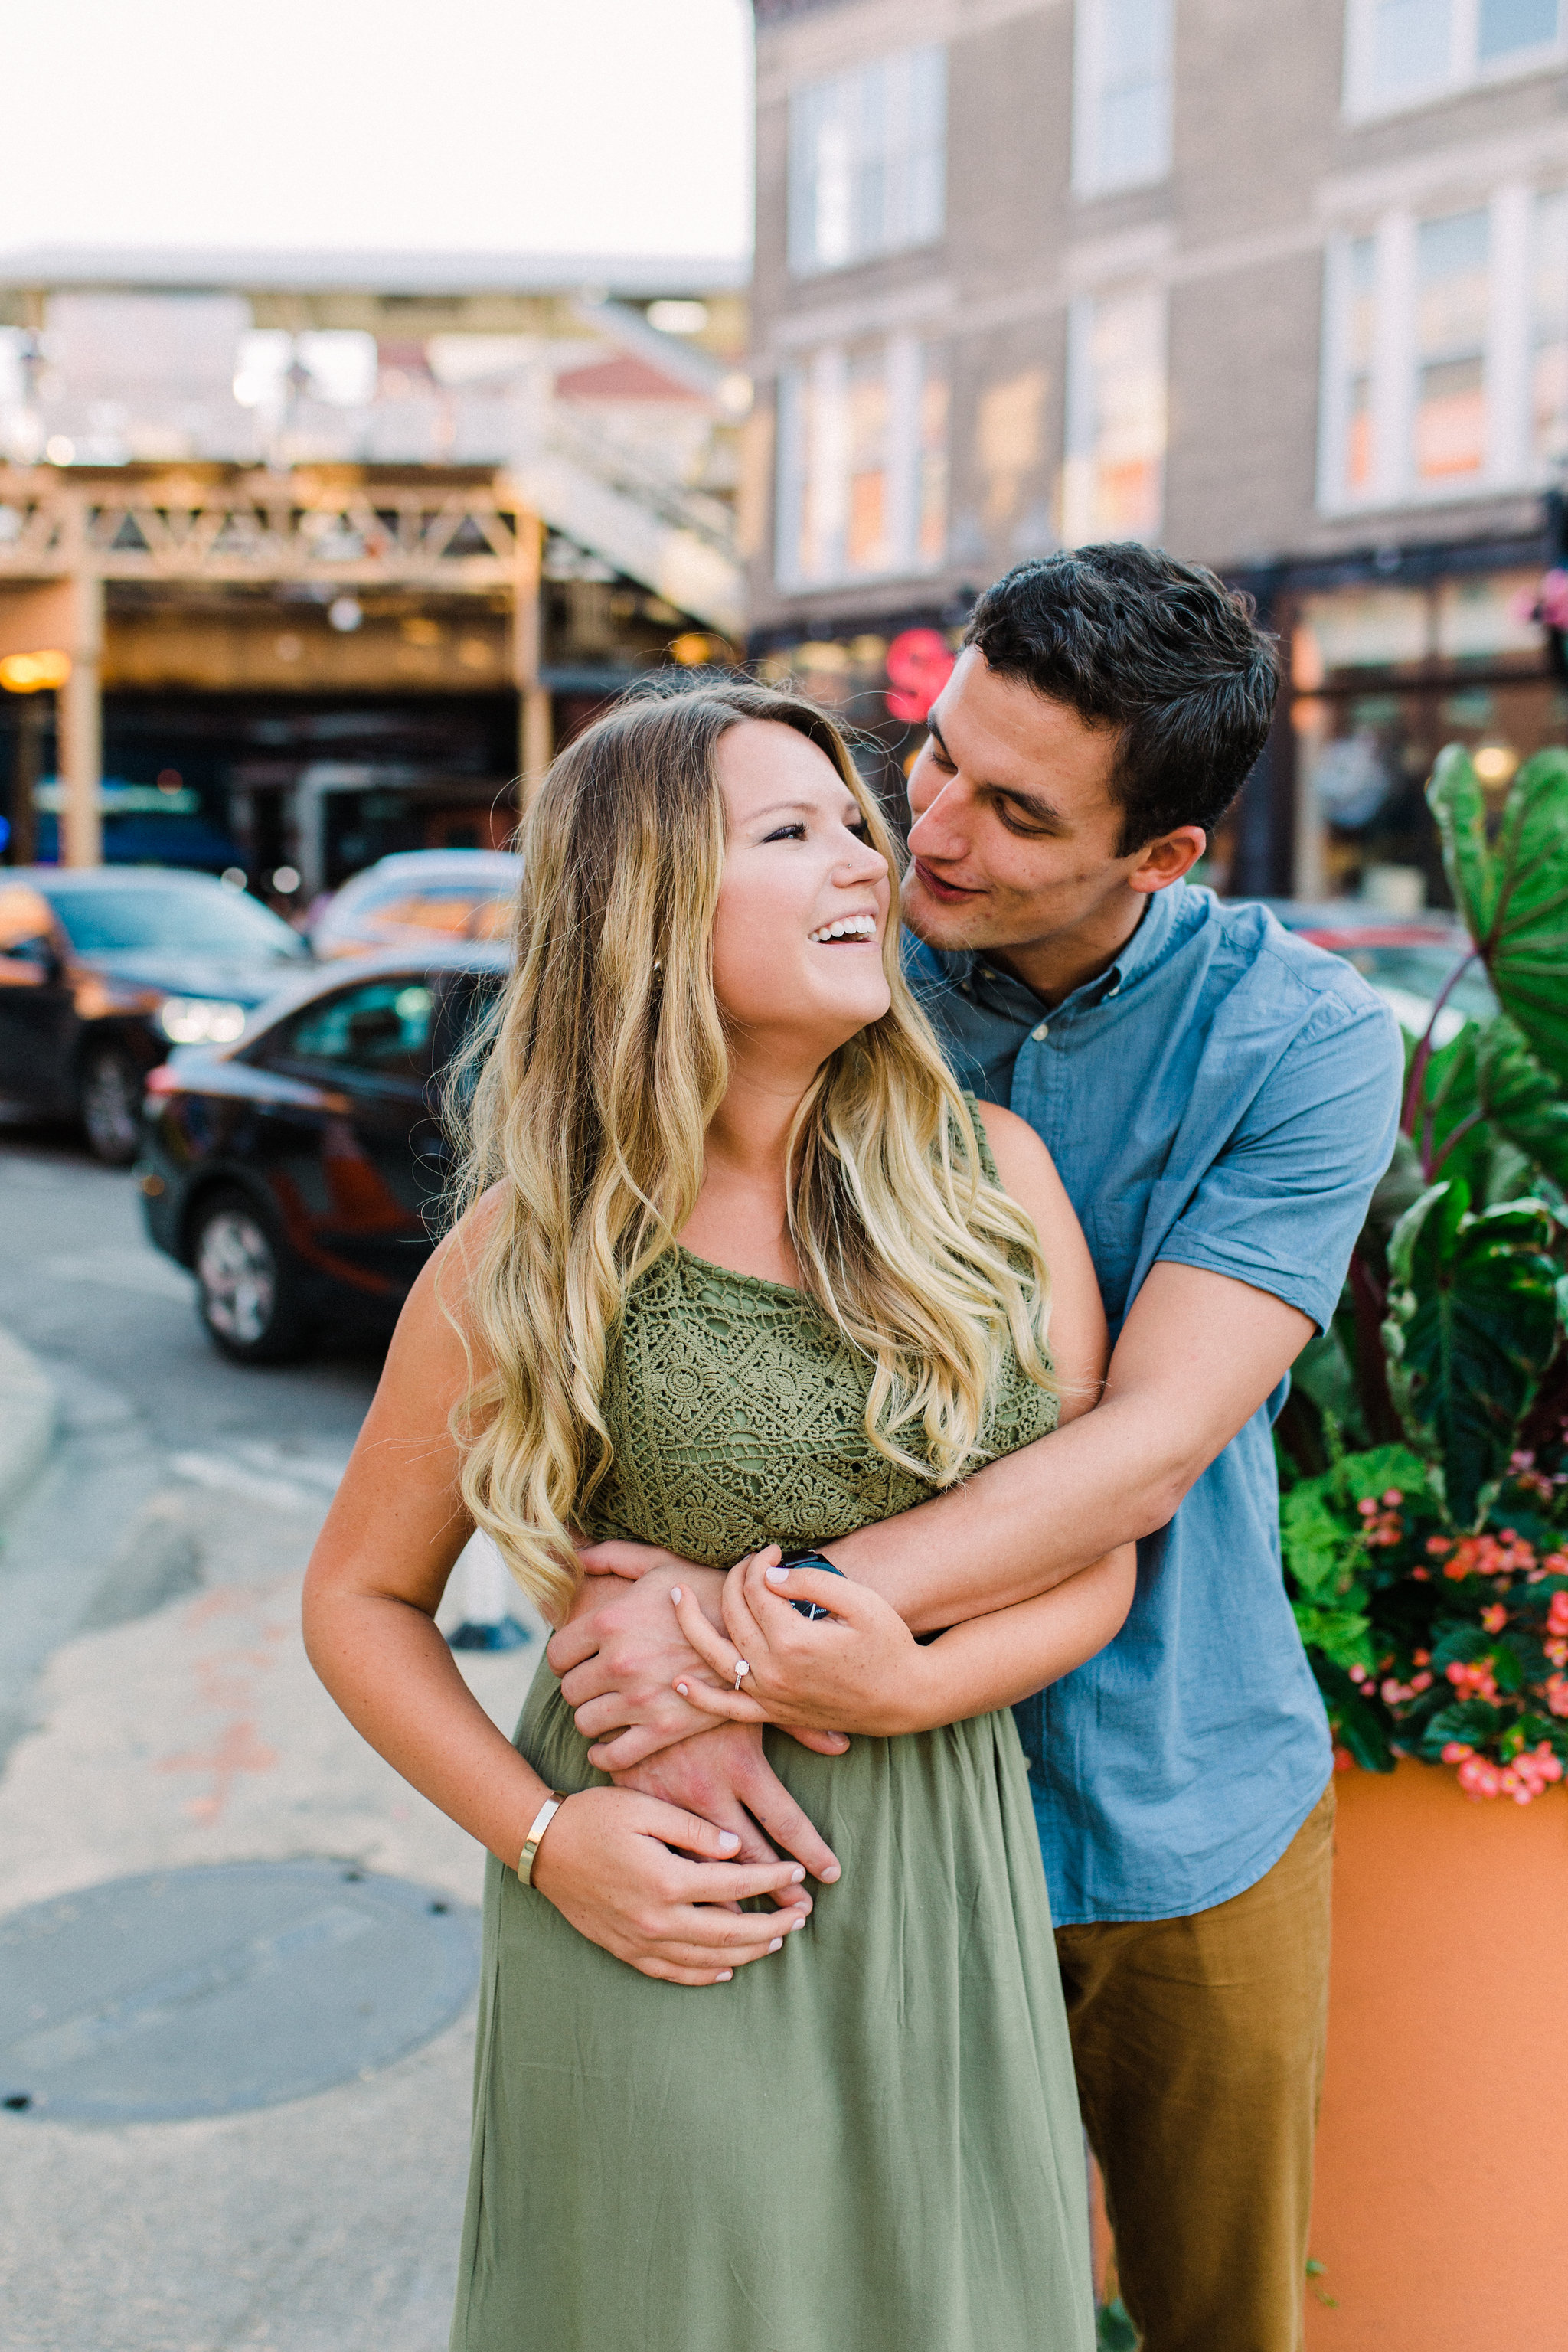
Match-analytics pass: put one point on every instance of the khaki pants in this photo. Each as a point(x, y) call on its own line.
point(1199, 2047)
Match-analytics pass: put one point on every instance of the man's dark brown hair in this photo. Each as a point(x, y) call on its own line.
point(1161, 652)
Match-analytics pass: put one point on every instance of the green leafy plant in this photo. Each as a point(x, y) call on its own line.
point(1424, 1451)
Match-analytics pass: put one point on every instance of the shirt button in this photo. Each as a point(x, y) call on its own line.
point(1041, 1034)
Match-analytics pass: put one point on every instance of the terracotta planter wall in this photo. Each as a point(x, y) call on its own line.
point(1441, 2214)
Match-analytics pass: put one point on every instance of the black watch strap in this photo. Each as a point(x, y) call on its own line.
point(807, 1556)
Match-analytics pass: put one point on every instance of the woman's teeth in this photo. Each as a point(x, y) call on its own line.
point(853, 927)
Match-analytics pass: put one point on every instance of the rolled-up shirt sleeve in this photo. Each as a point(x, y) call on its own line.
point(1281, 1206)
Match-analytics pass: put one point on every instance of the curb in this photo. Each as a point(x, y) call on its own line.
point(29, 1408)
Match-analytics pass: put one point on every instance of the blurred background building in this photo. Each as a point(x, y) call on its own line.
point(1281, 289)
point(319, 551)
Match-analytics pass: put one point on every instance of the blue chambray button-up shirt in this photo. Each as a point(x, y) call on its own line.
point(1224, 1096)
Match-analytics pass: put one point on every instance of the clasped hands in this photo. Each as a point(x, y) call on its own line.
point(643, 1670)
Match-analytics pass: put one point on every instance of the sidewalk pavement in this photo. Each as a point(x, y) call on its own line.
point(185, 1726)
point(28, 1415)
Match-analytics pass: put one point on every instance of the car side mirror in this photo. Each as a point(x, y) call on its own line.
point(37, 953)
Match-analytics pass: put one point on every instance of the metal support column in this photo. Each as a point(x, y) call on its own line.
point(80, 726)
point(534, 744)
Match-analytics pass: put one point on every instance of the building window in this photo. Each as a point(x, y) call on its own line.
point(1451, 305)
point(1113, 484)
point(1445, 352)
point(1122, 94)
point(1549, 356)
point(1407, 52)
point(862, 482)
point(1361, 332)
point(868, 162)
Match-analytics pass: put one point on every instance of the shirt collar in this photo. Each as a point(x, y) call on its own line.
point(968, 969)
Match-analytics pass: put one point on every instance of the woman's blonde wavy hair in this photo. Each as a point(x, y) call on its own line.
point(597, 1078)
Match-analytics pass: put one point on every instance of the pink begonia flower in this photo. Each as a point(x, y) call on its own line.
point(1557, 1614)
point(1557, 1694)
point(1494, 1617)
point(1553, 607)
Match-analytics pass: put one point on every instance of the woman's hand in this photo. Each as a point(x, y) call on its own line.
point(858, 1669)
point(605, 1863)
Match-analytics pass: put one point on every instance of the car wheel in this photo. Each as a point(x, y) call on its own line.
point(108, 1101)
point(248, 1290)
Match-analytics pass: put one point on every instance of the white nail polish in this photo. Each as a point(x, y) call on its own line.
point(675, 1592)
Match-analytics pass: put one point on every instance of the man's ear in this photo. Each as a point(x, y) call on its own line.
point(1164, 861)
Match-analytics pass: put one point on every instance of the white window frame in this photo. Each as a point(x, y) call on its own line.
point(813, 463)
point(1464, 69)
point(1091, 174)
point(1079, 526)
point(839, 102)
point(1510, 464)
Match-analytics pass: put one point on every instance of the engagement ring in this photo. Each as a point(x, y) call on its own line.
point(741, 1671)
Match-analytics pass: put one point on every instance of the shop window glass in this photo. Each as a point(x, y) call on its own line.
point(1121, 130)
point(1351, 629)
point(862, 470)
point(868, 162)
point(1451, 331)
point(1549, 368)
point(1483, 619)
point(1115, 475)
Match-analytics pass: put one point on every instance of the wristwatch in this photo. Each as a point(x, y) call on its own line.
point(809, 1557)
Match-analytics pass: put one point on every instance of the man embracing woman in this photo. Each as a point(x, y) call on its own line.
point(899, 1613)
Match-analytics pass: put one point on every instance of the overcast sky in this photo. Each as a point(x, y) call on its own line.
point(556, 126)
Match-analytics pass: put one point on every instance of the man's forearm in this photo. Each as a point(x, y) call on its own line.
point(1025, 1523)
point(1197, 1356)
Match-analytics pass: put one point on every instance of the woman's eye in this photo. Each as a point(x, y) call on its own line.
point(788, 833)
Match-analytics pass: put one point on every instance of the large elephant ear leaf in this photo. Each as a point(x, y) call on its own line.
point(1459, 805)
point(1472, 1326)
point(1486, 1086)
point(1520, 1100)
point(1525, 943)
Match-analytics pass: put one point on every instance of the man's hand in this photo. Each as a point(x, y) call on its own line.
point(621, 1653)
point(724, 1776)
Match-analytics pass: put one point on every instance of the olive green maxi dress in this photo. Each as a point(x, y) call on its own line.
point(870, 2141)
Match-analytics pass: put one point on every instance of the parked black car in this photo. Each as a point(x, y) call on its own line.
point(101, 971)
point(295, 1172)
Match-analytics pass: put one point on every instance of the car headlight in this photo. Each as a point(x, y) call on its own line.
point(200, 1020)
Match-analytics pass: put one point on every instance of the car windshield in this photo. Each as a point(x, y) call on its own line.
point(218, 921)
point(458, 910)
point(1411, 979)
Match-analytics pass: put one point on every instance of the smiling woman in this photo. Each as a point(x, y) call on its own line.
point(738, 1263)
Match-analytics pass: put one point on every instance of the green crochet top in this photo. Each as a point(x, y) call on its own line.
point(738, 1416)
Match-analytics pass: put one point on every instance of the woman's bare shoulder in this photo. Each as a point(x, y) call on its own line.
point(1024, 1164)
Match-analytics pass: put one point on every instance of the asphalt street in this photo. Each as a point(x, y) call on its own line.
point(156, 1710)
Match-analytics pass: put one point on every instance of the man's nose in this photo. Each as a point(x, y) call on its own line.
point(937, 830)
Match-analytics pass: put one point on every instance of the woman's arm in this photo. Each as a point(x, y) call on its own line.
point(861, 1669)
point(375, 1580)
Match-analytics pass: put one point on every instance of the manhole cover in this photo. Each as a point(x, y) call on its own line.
point(194, 1992)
